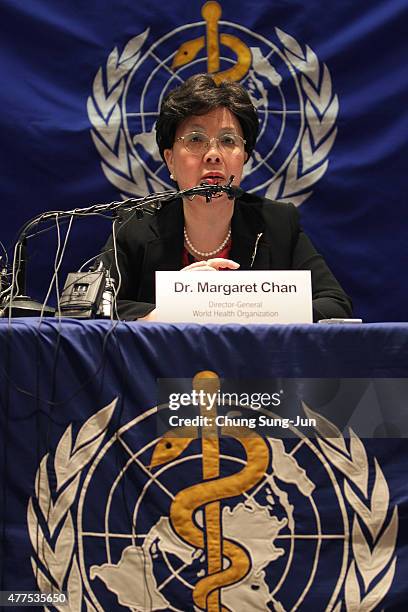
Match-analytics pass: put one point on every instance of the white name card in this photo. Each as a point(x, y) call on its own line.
point(278, 296)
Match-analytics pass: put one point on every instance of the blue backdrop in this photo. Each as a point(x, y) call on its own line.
point(80, 92)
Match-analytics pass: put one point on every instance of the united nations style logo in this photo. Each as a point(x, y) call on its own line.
point(213, 519)
point(291, 89)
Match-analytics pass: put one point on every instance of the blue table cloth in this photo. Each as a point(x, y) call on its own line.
point(95, 501)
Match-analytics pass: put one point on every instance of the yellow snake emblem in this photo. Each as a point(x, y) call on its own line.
point(187, 52)
point(207, 495)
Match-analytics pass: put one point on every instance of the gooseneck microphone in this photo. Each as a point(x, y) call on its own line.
point(16, 303)
point(215, 190)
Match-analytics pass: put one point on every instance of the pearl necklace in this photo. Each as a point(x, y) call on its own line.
point(206, 253)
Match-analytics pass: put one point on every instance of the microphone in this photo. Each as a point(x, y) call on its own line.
point(231, 190)
point(234, 192)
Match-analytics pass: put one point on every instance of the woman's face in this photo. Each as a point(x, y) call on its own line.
point(216, 164)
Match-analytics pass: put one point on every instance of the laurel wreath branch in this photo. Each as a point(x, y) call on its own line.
point(104, 107)
point(319, 133)
point(49, 517)
point(374, 532)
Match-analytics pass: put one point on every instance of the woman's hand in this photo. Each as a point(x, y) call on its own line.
point(152, 316)
point(209, 265)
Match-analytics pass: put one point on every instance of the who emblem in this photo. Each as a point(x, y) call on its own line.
point(290, 88)
point(212, 519)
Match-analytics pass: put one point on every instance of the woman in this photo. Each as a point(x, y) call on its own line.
point(206, 132)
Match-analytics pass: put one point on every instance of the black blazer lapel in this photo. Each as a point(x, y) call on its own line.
point(165, 250)
point(249, 248)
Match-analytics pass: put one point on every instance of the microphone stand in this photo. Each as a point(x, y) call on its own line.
point(21, 305)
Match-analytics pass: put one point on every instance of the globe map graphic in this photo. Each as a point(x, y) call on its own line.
point(271, 81)
point(124, 505)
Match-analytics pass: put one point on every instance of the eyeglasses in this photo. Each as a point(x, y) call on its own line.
point(198, 143)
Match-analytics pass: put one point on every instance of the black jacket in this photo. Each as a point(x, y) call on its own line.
point(266, 235)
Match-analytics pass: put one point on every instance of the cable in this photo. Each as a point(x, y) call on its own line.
point(63, 221)
point(116, 289)
point(47, 295)
point(5, 251)
point(5, 291)
point(57, 289)
point(14, 285)
point(16, 269)
point(57, 264)
point(88, 261)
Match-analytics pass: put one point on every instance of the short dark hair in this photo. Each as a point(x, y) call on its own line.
point(199, 95)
